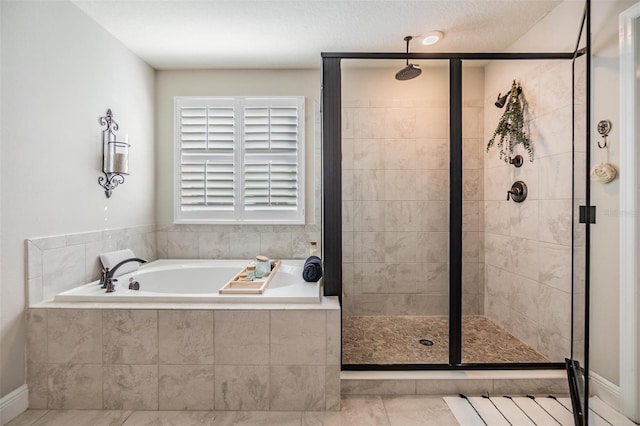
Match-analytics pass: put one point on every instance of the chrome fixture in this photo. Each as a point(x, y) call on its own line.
point(410, 70)
point(115, 155)
point(518, 192)
point(106, 278)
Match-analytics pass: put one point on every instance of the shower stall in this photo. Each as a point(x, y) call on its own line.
point(397, 219)
point(440, 259)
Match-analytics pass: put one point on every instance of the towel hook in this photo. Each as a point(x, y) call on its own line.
point(604, 127)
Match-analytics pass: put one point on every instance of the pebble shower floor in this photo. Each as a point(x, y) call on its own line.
point(396, 340)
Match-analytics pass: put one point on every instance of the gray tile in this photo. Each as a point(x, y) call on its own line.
point(418, 410)
point(241, 387)
point(130, 337)
point(453, 387)
point(75, 335)
point(83, 417)
point(62, 268)
point(185, 337)
point(355, 411)
point(182, 245)
point(333, 334)
point(75, 386)
point(275, 245)
point(213, 245)
point(185, 387)
point(27, 418)
point(48, 243)
point(170, 418)
point(297, 387)
point(37, 379)
point(378, 387)
point(35, 291)
point(34, 260)
point(242, 337)
point(257, 418)
point(531, 387)
point(298, 337)
point(131, 387)
point(244, 245)
point(332, 387)
point(83, 238)
point(37, 335)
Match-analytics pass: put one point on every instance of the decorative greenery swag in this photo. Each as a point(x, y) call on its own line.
point(511, 127)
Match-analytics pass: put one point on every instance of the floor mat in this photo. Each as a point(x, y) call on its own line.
point(528, 411)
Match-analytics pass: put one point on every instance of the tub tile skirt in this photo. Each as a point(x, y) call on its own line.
point(184, 359)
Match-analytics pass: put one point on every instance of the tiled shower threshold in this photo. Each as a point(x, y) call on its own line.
point(470, 382)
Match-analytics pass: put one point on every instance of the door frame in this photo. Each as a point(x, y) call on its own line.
point(629, 26)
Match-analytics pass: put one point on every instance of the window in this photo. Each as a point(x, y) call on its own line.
point(239, 160)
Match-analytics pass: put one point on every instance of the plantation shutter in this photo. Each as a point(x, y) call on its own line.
point(240, 160)
point(271, 155)
point(207, 175)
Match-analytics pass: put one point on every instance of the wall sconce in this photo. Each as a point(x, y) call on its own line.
point(115, 155)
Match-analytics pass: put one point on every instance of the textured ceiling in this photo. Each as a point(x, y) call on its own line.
point(174, 34)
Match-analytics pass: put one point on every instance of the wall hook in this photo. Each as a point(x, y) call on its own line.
point(604, 127)
point(516, 161)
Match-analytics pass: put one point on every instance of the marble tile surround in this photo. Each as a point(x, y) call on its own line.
point(58, 263)
point(396, 207)
point(528, 245)
point(174, 359)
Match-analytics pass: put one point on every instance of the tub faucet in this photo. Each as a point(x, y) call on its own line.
point(109, 273)
point(106, 279)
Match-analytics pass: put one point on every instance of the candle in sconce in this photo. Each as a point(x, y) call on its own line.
point(121, 163)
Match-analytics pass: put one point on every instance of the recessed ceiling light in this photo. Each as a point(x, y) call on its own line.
point(432, 38)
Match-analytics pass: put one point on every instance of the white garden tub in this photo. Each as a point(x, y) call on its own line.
point(198, 281)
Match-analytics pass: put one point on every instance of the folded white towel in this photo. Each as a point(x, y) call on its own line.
point(111, 259)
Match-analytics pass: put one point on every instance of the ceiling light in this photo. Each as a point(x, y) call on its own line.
point(432, 38)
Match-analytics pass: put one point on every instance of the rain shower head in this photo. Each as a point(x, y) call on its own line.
point(410, 70)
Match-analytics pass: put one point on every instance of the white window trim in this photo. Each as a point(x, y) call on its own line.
point(239, 216)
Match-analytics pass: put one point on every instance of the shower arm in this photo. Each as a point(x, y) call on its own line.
point(408, 39)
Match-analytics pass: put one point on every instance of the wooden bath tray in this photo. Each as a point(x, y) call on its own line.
point(257, 286)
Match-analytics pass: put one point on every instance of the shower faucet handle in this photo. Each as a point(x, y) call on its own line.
point(518, 192)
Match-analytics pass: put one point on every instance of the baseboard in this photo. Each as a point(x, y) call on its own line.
point(605, 390)
point(13, 404)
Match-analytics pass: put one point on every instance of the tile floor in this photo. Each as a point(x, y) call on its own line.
point(395, 340)
point(356, 410)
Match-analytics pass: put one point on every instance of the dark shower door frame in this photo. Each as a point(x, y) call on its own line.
point(332, 190)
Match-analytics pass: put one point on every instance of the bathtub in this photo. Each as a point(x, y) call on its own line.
point(198, 281)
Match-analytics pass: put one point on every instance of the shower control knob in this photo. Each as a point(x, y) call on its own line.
point(518, 192)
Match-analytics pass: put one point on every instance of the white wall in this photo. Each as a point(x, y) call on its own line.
point(60, 73)
point(605, 237)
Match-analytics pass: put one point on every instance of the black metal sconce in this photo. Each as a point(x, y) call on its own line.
point(115, 156)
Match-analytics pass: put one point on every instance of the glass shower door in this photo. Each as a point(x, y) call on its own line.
point(395, 221)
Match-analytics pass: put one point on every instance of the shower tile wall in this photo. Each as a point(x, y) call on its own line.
point(396, 207)
point(528, 245)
